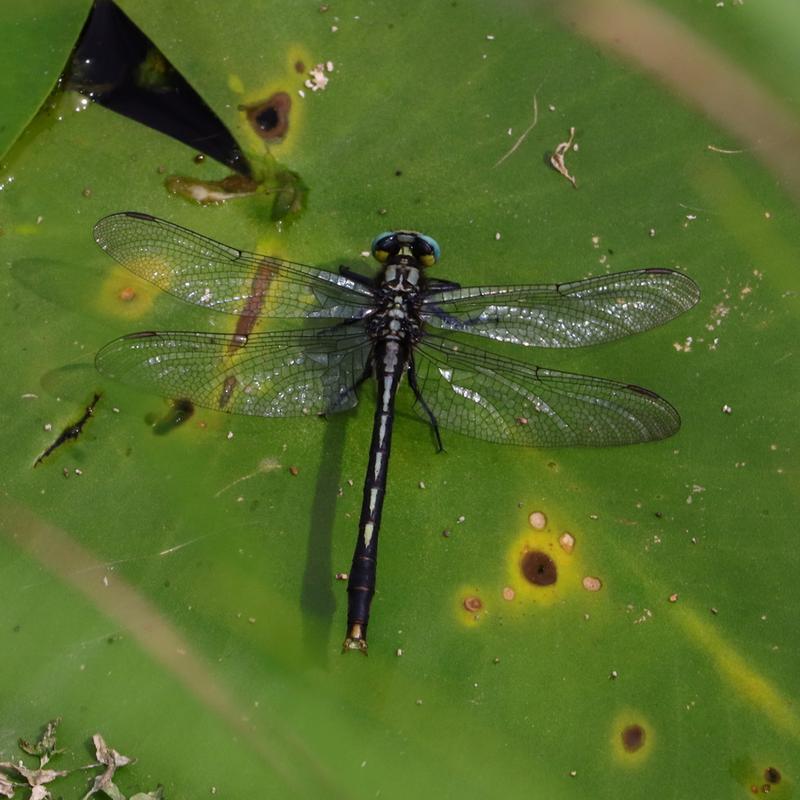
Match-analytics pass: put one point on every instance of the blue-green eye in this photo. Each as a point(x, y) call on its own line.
point(389, 243)
point(382, 245)
point(434, 250)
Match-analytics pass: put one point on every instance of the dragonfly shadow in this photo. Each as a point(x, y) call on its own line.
point(317, 599)
point(97, 294)
point(57, 281)
point(71, 382)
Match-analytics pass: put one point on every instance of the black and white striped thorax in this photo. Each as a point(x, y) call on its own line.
point(398, 303)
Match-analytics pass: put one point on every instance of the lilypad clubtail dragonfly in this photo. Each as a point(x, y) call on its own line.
point(400, 323)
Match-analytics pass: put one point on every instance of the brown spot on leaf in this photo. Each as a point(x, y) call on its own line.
point(772, 775)
point(227, 390)
point(538, 568)
point(259, 287)
point(270, 118)
point(473, 603)
point(633, 737)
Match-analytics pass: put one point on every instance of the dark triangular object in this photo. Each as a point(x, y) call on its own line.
point(116, 65)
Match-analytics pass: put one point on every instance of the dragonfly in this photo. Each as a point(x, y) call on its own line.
point(401, 323)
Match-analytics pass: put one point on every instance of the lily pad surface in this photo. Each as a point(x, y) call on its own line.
point(561, 623)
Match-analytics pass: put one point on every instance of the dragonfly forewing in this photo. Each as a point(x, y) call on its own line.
point(207, 273)
point(575, 314)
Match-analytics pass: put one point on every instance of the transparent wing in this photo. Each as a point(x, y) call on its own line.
point(500, 400)
point(275, 374)
point(565, 314)
point(207, 273)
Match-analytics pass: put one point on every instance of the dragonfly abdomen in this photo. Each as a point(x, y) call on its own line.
point(390, 359)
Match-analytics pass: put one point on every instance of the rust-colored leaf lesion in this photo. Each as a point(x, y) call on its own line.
point(270, 118)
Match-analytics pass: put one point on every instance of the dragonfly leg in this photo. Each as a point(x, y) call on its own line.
point(412, 382)
point(452, 322)
point(360, 279)
point(367, 373)
point(440, 285)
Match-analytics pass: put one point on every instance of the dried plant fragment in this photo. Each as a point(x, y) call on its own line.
point(206, 193)
point(722, 150)
point(319, 80)
point(557, 159)
point(524, 134)
point(6, 787)
point(45, 745)
point(35, 778)
point(15, 775)
point(112, 760)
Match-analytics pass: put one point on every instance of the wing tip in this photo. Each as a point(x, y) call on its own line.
point(666, 423)
point(137, 215)
point(101, 226)
point(690, 288)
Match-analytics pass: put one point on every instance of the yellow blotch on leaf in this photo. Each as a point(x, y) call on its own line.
point(235, 83)
point(539, 570)
point(290, 81)
point(124, 296)
point(631, 738)
point(738, 671)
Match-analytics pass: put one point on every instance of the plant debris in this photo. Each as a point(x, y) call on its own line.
point(15, 775)
point(723, 150)
point(111, 759)
point(70, 432)
point(523, 136)
point(45, 746)
point(319, 80)
point(557, 159)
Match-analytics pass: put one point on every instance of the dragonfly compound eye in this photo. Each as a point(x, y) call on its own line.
point(384, 245)
point(426, 250)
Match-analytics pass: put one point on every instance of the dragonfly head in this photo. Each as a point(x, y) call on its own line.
point(392, 244)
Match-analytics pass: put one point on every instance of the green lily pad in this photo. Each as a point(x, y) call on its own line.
point(178, 592)
point(37, 39)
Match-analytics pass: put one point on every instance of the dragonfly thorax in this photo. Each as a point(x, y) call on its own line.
point(397, 315)
point(400, 277)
